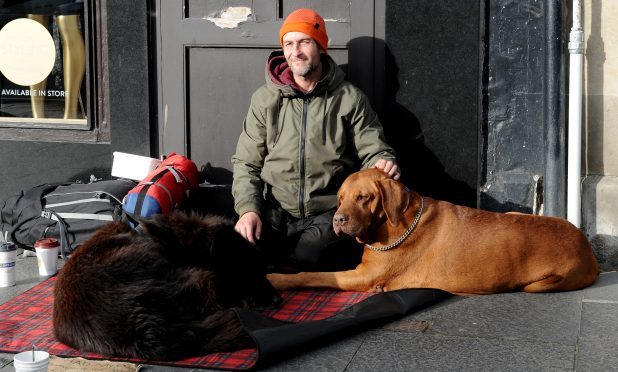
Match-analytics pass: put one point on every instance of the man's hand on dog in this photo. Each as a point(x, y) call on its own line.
point(249, 225)
point(388, 167)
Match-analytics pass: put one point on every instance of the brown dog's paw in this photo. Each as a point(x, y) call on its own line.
point(278, 281)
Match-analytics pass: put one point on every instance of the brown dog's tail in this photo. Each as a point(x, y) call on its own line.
point(578, 269)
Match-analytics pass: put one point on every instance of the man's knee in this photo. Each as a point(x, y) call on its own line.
point(312, 243)
point(319, 248)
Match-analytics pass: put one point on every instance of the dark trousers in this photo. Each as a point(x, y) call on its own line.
point(291, 244)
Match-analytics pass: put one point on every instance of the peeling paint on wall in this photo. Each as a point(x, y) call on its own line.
point(230, 17)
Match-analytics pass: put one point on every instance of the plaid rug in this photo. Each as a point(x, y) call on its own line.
point(27, 320)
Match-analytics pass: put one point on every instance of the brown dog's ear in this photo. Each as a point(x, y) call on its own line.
point(395, 199)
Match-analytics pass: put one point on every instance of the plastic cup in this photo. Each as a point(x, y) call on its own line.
point(8, 254)
point(47, 256)
point(31, 361)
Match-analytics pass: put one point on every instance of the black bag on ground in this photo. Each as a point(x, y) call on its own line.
point(69, 212)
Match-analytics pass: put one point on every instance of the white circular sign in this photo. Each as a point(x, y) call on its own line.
point(27, 51)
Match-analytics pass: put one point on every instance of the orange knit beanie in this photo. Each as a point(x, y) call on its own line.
point(306, 21)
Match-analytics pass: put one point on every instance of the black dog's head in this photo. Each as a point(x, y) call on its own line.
point(211, 242)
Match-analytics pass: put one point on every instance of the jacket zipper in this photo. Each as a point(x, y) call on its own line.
point(303, 139)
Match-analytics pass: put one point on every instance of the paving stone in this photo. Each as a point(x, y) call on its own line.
point(427, 315)
point(596, 355)
point(599, 321)
point(334, 357)
point(604, 289)
point(396, 351)
point(6, 361)
point(599, 338)
point(552, 317)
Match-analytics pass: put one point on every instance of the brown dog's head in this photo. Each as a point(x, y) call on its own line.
point(364, 199)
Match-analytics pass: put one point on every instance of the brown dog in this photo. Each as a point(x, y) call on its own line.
point(417, 242)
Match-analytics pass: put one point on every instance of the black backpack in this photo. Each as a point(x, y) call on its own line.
point(69, 212)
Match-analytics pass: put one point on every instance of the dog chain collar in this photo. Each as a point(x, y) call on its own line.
point(402, 237)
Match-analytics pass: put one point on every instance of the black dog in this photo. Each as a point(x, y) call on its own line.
point(162, 292)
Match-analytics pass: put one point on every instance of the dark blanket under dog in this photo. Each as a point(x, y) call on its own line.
point(302, 321)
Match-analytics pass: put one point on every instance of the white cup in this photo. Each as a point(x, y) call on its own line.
point(8, 254)
point(47, 256)
point(31, 361)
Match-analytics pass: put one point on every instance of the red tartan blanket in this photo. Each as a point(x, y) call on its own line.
point(27, 320)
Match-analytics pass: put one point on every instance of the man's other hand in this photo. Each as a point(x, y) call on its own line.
point(249, 225)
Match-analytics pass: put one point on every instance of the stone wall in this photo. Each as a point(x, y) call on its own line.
point(600, 142)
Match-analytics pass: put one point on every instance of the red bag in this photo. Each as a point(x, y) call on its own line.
point(163, 189)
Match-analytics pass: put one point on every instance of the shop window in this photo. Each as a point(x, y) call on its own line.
point(47, 62)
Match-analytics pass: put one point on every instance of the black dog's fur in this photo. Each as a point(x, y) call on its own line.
point(162, 292)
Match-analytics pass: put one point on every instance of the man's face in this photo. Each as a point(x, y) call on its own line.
point(301, 52)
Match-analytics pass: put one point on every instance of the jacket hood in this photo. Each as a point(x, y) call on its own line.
point(279, 76)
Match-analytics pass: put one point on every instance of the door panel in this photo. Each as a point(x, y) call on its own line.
point(220, 89)
point(207, 73)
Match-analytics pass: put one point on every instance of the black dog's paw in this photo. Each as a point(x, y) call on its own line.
point(276, 300)
point(262, 303)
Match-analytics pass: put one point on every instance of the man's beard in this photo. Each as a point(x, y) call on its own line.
point(305, 70)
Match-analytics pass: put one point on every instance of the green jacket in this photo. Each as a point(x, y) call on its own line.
point(302, 146)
